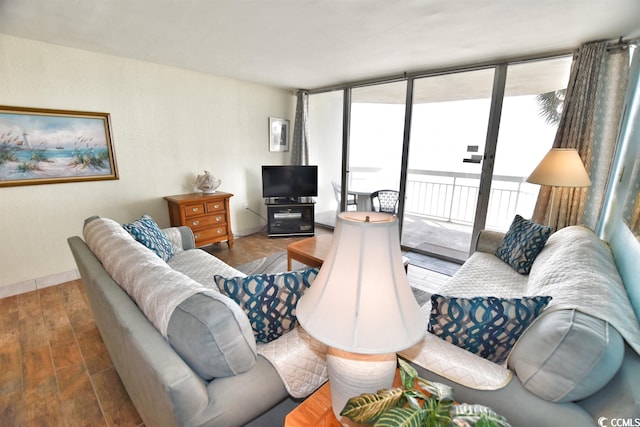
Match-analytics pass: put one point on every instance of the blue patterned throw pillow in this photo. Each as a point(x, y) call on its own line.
point(486, 326)
point(522, 243)
point(146, 231)
point(268, 299)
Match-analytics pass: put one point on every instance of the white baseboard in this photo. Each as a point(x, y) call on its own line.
point(39, 283)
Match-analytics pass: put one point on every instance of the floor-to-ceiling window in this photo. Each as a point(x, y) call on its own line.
point(457, 133)
point(448, 131)
point(375, 140)
point(325, 148)
point(531, 109)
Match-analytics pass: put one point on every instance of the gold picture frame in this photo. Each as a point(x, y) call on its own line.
point(46, 146)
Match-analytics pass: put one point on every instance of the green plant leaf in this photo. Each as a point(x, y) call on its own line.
point(439, 391)
point(401, 417)
point(408, 374)
point(476, 416)
point(367, 407)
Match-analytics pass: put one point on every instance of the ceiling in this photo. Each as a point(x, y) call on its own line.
point(317, 43)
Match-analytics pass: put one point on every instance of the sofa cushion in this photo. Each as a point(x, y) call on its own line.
point(522, 243)
point(146, 231)
point(212, 334)
point(566, 355)
point(486, 326)
point(268, 299)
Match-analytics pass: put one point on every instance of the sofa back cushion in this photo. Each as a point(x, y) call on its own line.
point(566, 355)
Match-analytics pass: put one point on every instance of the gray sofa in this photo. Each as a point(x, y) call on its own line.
point(574, 364)
point(164, 388)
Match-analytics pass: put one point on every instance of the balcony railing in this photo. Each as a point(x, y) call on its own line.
point(452, 196)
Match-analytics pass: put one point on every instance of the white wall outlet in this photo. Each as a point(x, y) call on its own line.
point(246, 206)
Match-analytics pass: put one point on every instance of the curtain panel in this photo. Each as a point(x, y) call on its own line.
point(300, 143)
point(589, 123)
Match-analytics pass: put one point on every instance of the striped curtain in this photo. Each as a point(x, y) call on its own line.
point(300, 144)
point(589, 123)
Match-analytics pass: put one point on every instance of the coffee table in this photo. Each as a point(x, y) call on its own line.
point(311, 251)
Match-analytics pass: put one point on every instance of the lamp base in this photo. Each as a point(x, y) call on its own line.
point(352, 374)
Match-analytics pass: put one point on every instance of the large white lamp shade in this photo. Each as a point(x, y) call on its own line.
point(560, 167)
point(362, 306)
point(361, 300)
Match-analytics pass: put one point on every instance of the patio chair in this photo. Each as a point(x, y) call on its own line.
point(385, 201)
point(352, 199)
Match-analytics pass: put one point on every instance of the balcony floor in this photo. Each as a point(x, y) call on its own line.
point(440, 239)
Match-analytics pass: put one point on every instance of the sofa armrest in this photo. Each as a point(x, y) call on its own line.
point(457, 364)
point(181, 237)
point(488, 241)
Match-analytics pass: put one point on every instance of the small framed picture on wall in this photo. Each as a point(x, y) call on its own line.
point(278, 134)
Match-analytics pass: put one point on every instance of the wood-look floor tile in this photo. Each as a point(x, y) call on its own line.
point(64, 349)
point(96, 356)
point(11, 371)
point(33, 333)
point(11, 409)
point(9, 321)
point(79, 402)
point(37, 368)
point(116, 404)
point(53, 308)
point(77, 306)
point(41, 406)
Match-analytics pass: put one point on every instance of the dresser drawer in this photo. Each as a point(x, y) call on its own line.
point(217, 206)
point(206, 221)
point(206, 214)
point(194, 209)
point(209, 234)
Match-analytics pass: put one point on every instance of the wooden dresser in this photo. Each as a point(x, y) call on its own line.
point(206, 214)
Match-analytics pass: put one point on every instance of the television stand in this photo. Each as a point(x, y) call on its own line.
point(290, 219)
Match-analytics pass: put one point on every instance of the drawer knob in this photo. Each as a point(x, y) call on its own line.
point(196, 236)
point(216, 206)
point(218, 218)
point(195, 222)
point(219, 231)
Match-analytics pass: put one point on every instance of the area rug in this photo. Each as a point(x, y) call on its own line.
point(277, 263)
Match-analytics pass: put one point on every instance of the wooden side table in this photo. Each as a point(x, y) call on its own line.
point(207, 215)
point(316, 411)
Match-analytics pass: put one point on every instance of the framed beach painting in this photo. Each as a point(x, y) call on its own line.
point(278, 134)
point(40, 146)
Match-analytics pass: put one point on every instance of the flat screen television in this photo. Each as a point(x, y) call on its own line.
point(289, 182)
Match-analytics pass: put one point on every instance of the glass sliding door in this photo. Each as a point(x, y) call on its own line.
point(530, 112)
point(447, 143)
point(376, 132)
point(325, 130)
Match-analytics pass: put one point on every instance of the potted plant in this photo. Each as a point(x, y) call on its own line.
point(418, 403)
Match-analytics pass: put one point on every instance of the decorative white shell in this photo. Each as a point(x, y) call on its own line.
point(207, 183)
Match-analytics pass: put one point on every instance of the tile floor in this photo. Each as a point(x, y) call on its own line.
point(54, 368)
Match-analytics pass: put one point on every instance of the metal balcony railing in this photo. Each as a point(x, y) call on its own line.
point(452, 196)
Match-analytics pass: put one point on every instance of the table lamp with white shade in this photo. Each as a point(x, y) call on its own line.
point(560, 167)
point(361, 305)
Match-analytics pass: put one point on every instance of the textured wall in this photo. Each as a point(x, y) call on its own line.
point(168, 124)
